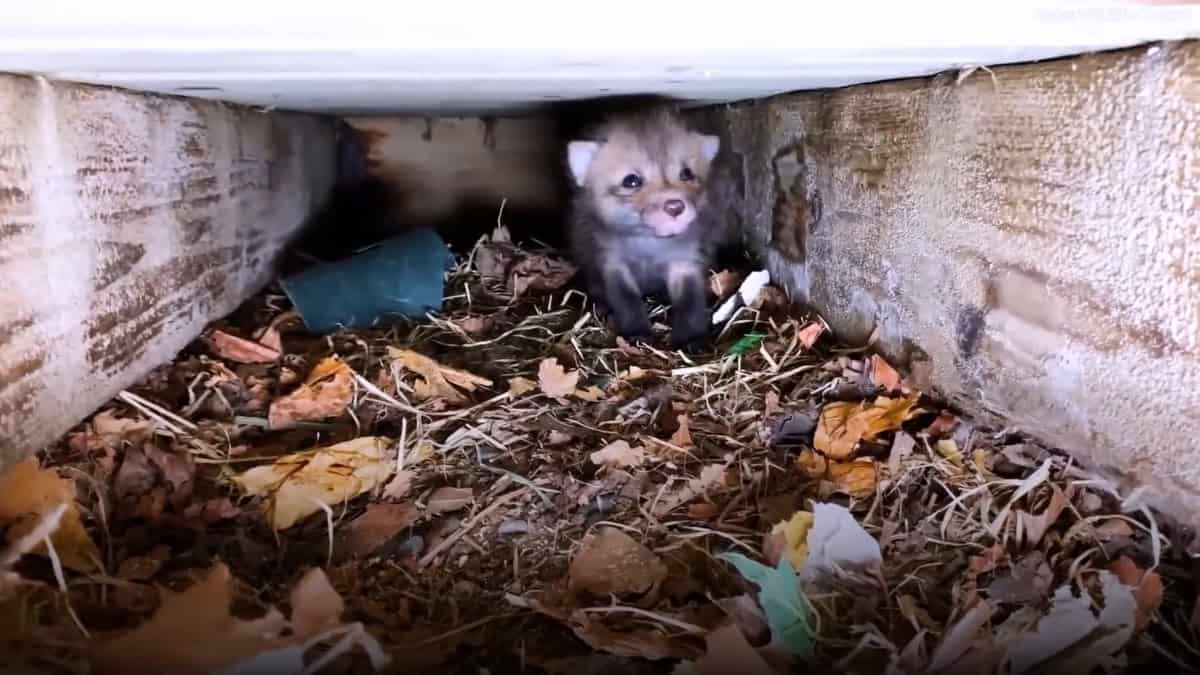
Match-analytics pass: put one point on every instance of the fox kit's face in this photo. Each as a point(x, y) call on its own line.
point(647, 174)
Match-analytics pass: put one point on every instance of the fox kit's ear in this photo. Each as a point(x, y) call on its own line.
point(709, 146)
point(579, 157)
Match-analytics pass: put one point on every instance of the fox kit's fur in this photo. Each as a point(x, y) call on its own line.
point(643, 219)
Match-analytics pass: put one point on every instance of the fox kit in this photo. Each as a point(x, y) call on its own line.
point(642, 219)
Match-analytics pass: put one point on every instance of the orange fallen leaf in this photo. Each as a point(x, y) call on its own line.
point(883, 374)
point(711, 478)
point(843, 424)
point(809, 335)
point(619, 454)
point(611, 562)
point(554, 380)
point(437, 380)
point(811, 465)
point(857, 479)
point(327, 392)
point(378, 524)
point(682, 437)
point(241, 350)
point(316, 606)
point(447, 499)
point(28, 493)
point(519, 386)
point(1148, 588)
point(192, 633)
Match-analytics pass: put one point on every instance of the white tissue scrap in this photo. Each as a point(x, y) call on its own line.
point(747, 293)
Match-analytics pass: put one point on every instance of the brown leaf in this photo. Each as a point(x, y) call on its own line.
point(398, 487)
point(682, 437)
point(143, 567)
point(378, 524)
point(592, 393)
point(770, 298)
point(1148, 588)
point(537, 272)
point(192, 633)
point(902, 447)
point(942, 426)
point(300, 483)
point(619, 454)
point(857, 479)
point(28, 494)
point(147, 467)
point(519, 386)
point(809, 335)
point(843, 424)
point(554, 380)
point(448, 499)
point(326, 393)
point(437, 380)
point(811, 465)
point(316, 606)
point(724, 283)
point(241, 350)
point(1035, 526)
point(712, 477)
point(646, 643)
point(203, 514)
point(612, 562)
point(474, 325)
point(884, 375)
point(728, 651)
point(114, 430)
point(771, 405)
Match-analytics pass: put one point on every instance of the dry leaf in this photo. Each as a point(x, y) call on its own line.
point(592, 393)
point(28, 494)
point(619, 454)
point(682, 438)
point(811, 465)
point(149, 478)
point(437, 381)
point(771, 405)
point(519, 386)
point(809, 335)
point(300, 483)
point(398, 487)
point(947, 448)
point(1148, 588)
point(192, 633)
point(611, 562)
point(943, 425)
point(712, 477)
point(316, 606)
point(728, 651)
point(378, 524)
point(326, 393)
point(554, 380)
point(241, 350)
point(114, 430)
point(1035, 527)
point(857, 479)
point(789, 539)
point(202, 514)
point(724, 283)
point(842, 424)
point(902, 446)
point(474, 325)
point(883, 374)
point(448, 499)
point(538, 272)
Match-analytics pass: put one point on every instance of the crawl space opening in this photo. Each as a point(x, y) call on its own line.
point(304, 369)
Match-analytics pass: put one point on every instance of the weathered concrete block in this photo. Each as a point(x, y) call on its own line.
point(126, 223)
point(1027, 236)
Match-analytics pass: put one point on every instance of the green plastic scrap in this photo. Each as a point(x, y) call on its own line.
point(746, 343)
point(779, 594)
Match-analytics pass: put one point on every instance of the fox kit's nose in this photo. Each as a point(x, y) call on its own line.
point(674, 207)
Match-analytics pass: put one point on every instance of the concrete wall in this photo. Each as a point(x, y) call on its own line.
point(1028, 241)
point(126, 223)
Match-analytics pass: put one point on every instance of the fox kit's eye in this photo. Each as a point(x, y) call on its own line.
point(686, 175)
point(631, 182)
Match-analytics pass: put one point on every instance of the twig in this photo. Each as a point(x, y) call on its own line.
point(462, 531)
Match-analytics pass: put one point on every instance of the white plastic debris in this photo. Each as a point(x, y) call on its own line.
point(747, 293)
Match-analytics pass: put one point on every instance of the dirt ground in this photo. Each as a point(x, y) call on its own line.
point(507, 487)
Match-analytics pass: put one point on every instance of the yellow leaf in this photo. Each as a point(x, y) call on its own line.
point(438, 381)
point(555, 380)
point(949, 449)
point(592, 393)
point(789, 540)
point(842, 424)
point(299, 483)
point(811, 465)
point(857, 479)
point(28, 493)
